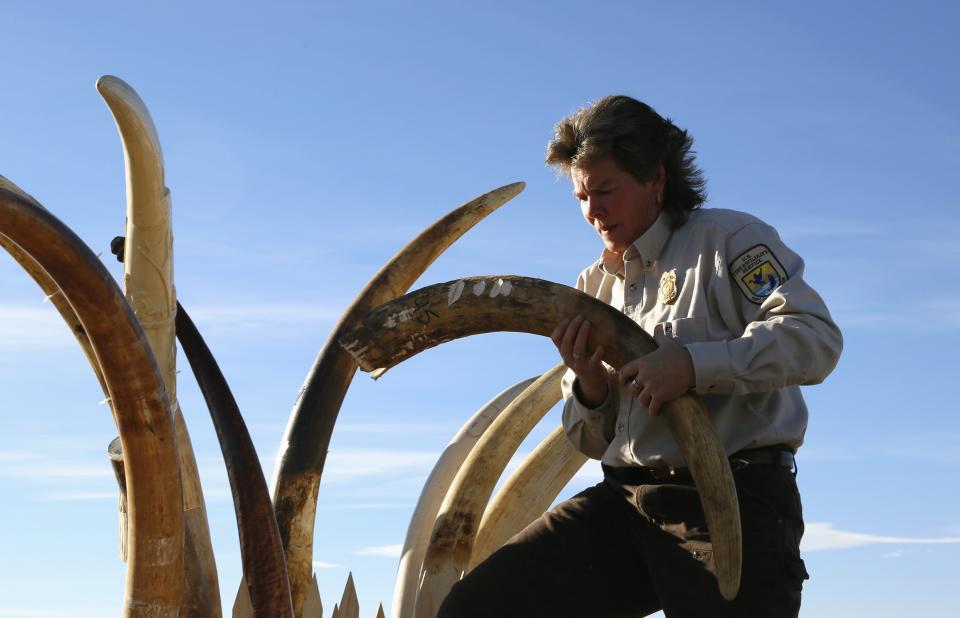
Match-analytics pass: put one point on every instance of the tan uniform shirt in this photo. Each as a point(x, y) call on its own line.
point(753, 327)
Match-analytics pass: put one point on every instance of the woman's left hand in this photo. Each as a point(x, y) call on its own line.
point(660, 377)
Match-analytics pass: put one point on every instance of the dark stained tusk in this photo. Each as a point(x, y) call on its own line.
point(140, 404)
point(303, 450)
point(433, 315)
point(264, 567)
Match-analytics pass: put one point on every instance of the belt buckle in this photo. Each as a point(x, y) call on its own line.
point(665, 473)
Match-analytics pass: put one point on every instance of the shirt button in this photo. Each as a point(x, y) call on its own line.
point(620, 428)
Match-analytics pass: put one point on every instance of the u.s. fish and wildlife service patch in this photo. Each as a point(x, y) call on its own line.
point(758, 273)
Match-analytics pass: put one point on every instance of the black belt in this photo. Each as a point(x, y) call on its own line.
point(777, 455)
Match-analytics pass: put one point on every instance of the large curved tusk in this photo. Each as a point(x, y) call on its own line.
point(264, 567)
point(527, 493)
point(438, 313)
point(303, 450)
point(434, 491)
point(455, 529)
point(148, 282)
point(140, 403)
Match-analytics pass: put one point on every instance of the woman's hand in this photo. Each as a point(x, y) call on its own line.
point(661, 376)
point(570, 336)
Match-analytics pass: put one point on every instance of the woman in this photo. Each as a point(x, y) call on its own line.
point(737, 324)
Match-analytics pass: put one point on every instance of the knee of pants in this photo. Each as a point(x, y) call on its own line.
point(457, 604)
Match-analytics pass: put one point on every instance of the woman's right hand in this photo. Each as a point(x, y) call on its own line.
point(571, 336)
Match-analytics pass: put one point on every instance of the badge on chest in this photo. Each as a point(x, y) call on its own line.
point(667, 293)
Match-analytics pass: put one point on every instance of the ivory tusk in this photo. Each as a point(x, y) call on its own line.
point(439, 313)
point(140, 403)
point(306, 440)
point(434, 491)
point(455, 529)
point(264, 567)
point(149, 288)
point(527, 493)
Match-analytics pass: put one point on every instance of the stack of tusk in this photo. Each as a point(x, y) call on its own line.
point(433, 315)
point(306, 440)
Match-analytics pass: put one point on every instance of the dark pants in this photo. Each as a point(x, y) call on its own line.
point(630, 550)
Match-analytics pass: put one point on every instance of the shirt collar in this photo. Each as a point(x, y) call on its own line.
point(647, 247)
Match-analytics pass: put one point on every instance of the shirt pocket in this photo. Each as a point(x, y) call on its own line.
point(683, 330)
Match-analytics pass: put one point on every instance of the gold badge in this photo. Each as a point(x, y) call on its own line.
point(668, 287)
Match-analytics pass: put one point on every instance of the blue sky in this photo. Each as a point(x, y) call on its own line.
point(306, 142)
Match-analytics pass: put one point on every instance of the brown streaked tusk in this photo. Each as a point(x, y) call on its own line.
point(527, 493)
point(456, 527)
point(433, 315)
point(434, 491)
point(306, 440)
point(264, 567)
point(139, 399)
point(149, 288)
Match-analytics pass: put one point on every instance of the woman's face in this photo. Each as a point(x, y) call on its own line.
point(614, 203)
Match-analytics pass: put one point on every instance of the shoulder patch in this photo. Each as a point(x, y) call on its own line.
point(758, 273)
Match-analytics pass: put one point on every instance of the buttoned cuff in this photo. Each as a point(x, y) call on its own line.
point(587, 413)
point(712, 369)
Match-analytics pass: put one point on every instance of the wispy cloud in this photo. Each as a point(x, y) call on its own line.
point(365, 506)
point(822, 535)
point(32, 327)
point(319, 564)
point(384, 551)
point(77, 612)
point(39, 327)
point(349, 465)
point(395, 427)
point(54, 470)
point(81, 496)
point(244, 315)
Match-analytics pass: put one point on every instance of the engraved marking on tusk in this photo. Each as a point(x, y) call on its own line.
point(455, 291)
point(398, 317)
point(163, 551)
point(501, 287)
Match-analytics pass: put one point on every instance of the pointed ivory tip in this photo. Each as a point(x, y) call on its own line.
point(109, 84)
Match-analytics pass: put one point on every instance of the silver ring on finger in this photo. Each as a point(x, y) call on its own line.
point(578, 356)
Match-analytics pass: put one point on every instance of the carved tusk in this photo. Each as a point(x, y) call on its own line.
point(148, 282)
point(527, 493)
point(303, 450)
point(434, 491)
point(264, 567)
point(397, 330)
point(139, 400)
point(455, 529)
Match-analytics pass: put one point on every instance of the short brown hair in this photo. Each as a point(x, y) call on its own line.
point(639, 139)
